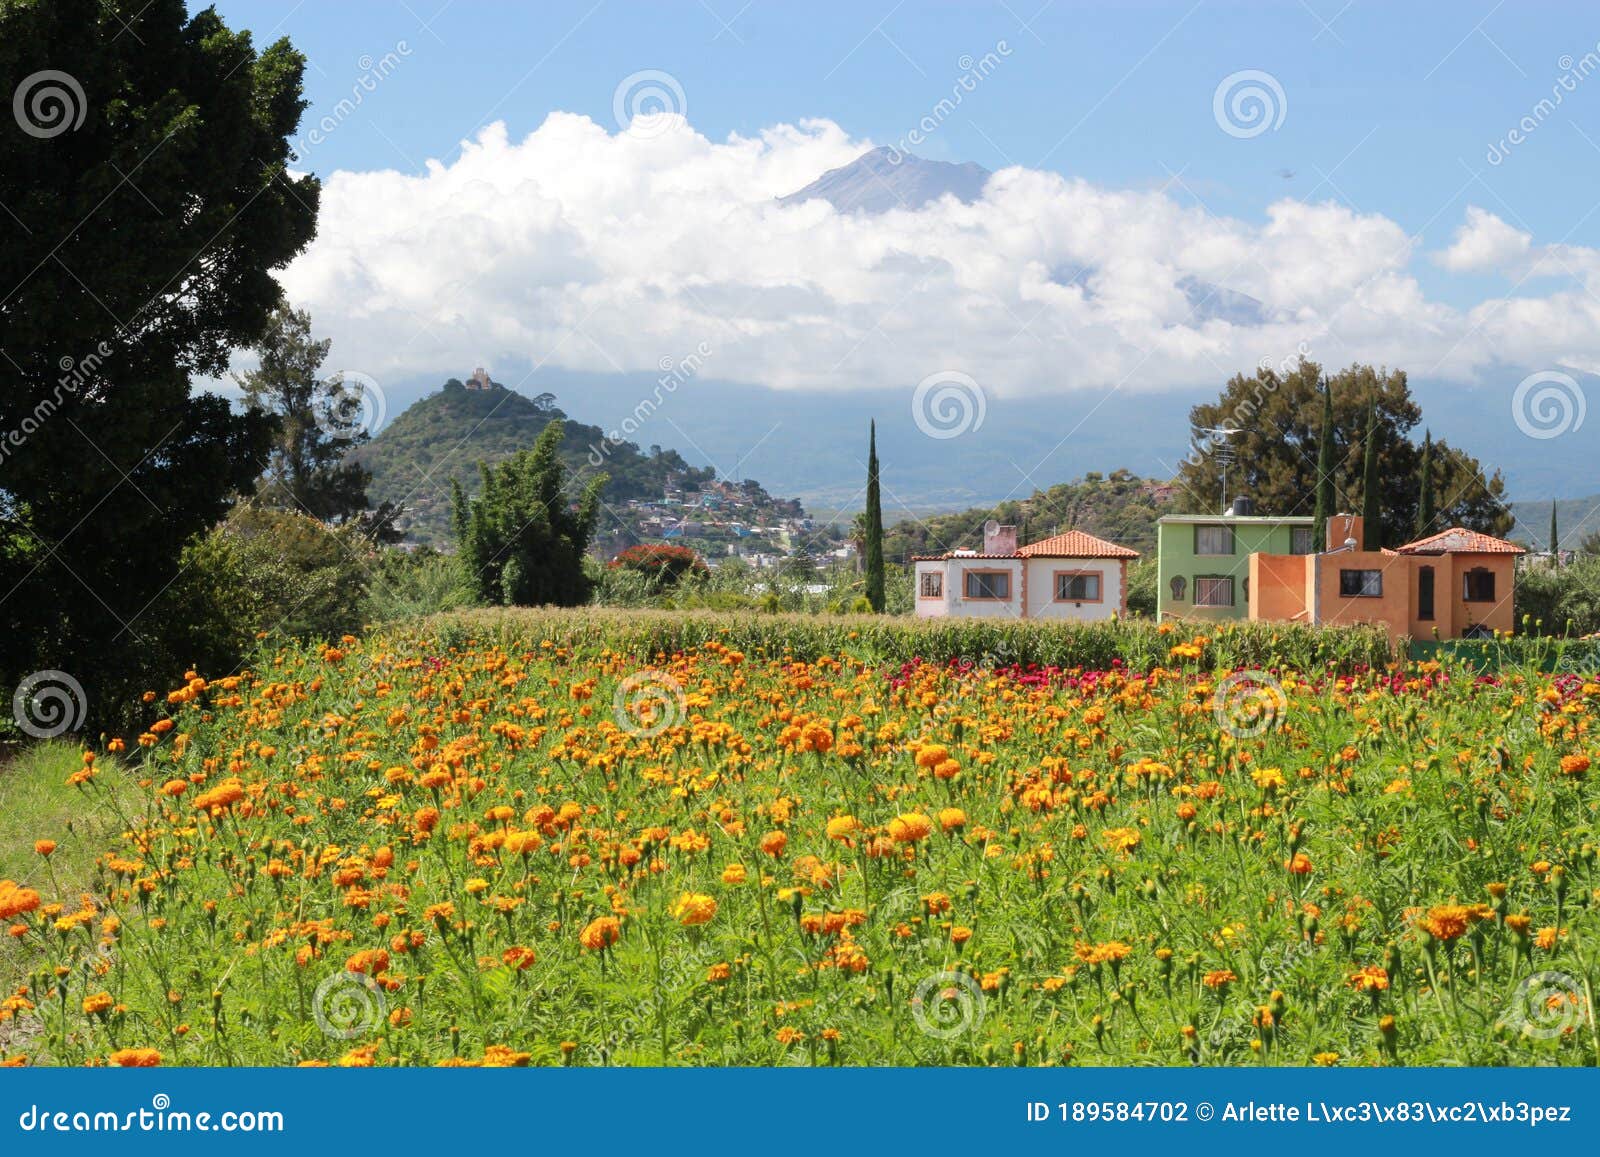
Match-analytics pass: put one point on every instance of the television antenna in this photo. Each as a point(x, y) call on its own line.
point(1222, 449)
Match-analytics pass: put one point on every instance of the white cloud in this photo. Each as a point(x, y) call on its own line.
point(606, 252)
point(1483, 243)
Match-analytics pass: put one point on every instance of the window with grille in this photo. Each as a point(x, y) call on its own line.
point(1213, 591)
point(1300, 540)
point(932, 585)
point(1361, 584)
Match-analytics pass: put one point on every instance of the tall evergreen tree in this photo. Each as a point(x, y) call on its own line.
point(1427, 500)
point(520, 540)
point(1371, 495)
point(1325, 467)
point(1555, 536)
point(874, 525)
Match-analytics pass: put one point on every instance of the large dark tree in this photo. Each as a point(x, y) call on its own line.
point(1280, 419)
point(874, 528)
point(523, 538)
point(148, 203)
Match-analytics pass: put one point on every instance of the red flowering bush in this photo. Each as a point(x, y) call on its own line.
point(665, 565)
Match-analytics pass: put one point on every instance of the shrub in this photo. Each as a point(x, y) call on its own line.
point(664, 565)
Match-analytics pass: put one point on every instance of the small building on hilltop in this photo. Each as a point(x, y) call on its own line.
point(1072, 576)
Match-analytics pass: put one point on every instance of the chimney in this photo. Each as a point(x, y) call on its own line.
point(999, 539)
point(1343, 527)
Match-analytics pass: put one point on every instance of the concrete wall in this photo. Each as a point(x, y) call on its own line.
point(1280, 587)
point(1042, 588)
point(1390, 609)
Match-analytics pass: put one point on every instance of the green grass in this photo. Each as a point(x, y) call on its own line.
point(35, 800)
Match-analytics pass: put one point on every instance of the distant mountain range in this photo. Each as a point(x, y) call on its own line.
point(1576, 520)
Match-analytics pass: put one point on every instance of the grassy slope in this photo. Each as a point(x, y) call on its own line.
point(36, 801)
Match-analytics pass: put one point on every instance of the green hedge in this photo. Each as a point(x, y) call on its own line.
point(1574, 656)
point(889, 639)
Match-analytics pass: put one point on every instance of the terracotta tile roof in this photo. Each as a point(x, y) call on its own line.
point(1075, 544)
point(1460, 540)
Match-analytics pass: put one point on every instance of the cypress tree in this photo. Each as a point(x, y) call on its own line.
point(874, 536)
point(1427, 502)
point(1555, 536)
point(1371, 498)
point(1325, 496)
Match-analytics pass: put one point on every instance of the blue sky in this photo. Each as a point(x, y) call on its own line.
point(1389, 107)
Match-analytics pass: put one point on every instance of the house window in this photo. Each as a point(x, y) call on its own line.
point(1300, 540)
point(931, 585)
point(1477, 585)
point(1213, 540)
point(988, 584)
point(1213, 591)
point(1179, 584)
point(1361, 584)
point(1079, 587)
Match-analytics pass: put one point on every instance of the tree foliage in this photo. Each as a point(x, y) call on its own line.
point(522, 540)
point(317, 422)
point(140, 248)
point(1279, 417)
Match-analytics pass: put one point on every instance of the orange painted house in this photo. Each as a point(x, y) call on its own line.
point(1454, 584)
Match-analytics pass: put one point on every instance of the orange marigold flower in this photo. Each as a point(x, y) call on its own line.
point(909, 828)
point(694, 908)
point(1219, 979)
point(773, 843)
point(1372, 978)
point(136, 1058)
point(600, 933)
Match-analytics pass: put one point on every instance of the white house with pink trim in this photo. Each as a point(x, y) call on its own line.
point(1073, 576)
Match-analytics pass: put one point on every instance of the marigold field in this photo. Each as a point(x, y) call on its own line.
point(457, 849)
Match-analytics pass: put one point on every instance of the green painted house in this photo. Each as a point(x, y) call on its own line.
point(1203, 565)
